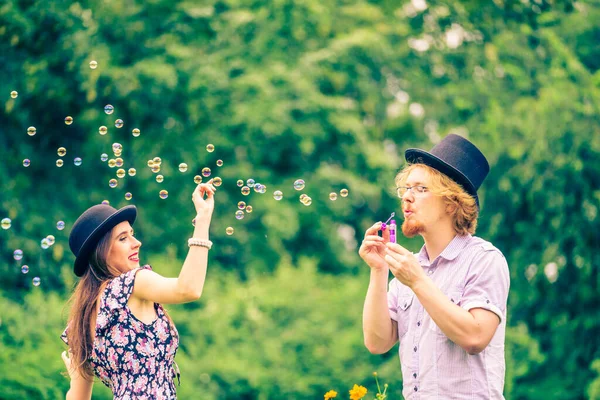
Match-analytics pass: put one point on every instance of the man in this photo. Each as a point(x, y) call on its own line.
point(447, 304)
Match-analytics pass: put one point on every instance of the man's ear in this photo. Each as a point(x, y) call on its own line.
point(450, 208)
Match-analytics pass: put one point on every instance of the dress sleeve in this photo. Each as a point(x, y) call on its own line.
point(63, 336)
point(116, 295)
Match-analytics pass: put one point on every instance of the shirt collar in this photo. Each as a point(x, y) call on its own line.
point(456, 245)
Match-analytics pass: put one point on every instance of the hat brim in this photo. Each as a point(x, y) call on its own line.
point(418, 156)
point(127, 213)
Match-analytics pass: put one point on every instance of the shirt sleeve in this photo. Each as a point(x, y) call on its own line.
point(487, 283)
point(392, 297)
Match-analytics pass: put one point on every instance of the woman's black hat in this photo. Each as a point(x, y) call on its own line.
point(457, 158)
point(91, 226)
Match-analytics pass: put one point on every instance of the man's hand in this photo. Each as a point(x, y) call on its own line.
point(403, 264)
point(372, 249)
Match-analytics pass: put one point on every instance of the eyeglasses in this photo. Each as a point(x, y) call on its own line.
point(417, 191)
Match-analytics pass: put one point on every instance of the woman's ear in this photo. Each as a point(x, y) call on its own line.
point(450, 208)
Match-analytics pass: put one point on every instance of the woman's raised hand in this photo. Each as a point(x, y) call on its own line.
point(203, 198)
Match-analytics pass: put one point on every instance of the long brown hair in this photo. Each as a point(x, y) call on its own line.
point(84, 308)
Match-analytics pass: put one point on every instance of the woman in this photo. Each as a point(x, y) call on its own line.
point(118, 329)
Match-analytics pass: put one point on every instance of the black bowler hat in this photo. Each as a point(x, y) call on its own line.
point(457, 158)
point(91, 226)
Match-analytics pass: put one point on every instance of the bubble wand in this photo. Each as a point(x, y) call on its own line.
point(384, 225)
point(392, 227)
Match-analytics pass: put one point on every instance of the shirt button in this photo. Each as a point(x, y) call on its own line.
point(418, 323)
point(415, 388)
point(415, 348)
point(405, 304)
point(430, 272)
point(415, 375)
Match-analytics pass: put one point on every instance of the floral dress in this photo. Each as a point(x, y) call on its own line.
point(134, 359)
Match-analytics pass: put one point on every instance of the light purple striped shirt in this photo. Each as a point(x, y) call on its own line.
point(472, 273)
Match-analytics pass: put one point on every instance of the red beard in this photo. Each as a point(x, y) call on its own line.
point(411, 227)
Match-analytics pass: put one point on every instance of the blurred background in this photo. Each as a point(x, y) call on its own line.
point(328, 92)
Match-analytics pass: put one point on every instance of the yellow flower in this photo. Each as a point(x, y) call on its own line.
point(357, 392)
point(330, 395)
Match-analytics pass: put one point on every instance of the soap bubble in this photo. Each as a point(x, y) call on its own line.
point(206, 171)
point(219, 163)
point(245, 190)
point(26, 162)
point(60, 225)
point(116, 147)
point(303, 196)
point(250, 182)
point(103, 157)
point(25, 269)
point(36, 281)
point(113, 183)
point(155, 168)
point(160, 178)
point(59, 163)
point(68, 120)
point(157, 161)
point(128, 196)
point(229, 230)
point(51, 240)
point(299, 184)
point(163, 194)
point(112, 163)
point(257, 187)
point(119, 162)
point(5, 223)
point(307, 201)
point(344, 192)
point(239, 214)
point(150, 163)
point(31, 131)
point(242, 205)
point(18, 254)
point(277, 195)
point(183, 167)
point(240, 183)
point(332, 196)
point(108, 109)
point(135, 132)
point(217, 181)
point(262, 189)
point(93, 64)
point(77, 161)
point(197, 179)
point(210, 148)
point(44, 243)
point(102, 130)
point(14, 94)
point(120, 173)
point(106, 202)
point(119, 123)
point(132, 172)
point(248, 208)
point(61, 151)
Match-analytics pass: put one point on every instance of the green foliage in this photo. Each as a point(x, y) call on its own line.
point(331, 92)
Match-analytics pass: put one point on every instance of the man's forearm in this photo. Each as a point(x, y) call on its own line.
point(456, 323)
point(377, 325)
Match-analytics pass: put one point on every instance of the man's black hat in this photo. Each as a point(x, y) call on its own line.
point(457, 158)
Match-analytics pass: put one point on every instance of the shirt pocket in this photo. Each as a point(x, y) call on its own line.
point(403, 313)
point(455, 296)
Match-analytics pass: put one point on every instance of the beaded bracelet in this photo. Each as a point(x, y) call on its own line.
point(200, 242)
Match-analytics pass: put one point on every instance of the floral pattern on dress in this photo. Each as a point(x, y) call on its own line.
point(134, 359)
